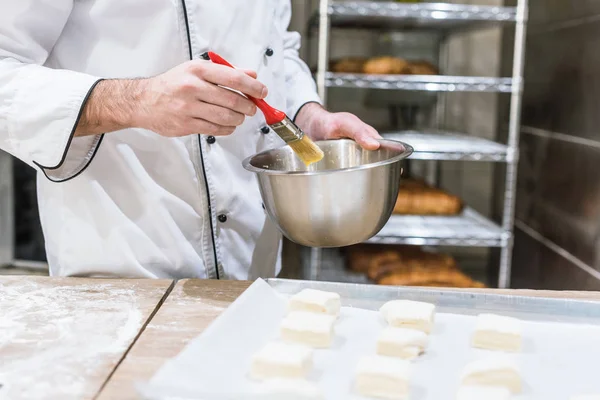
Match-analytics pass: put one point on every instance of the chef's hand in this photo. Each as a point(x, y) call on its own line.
point(187, 99)
point(184, 100)
point(320, 124)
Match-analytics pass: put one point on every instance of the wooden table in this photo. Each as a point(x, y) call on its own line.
point(61, 338)
point(188, 310)
point(105, 317)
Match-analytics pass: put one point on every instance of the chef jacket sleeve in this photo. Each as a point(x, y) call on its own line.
point(40, 106)
point(300, 86)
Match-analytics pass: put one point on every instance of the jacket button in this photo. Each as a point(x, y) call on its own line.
point(211, 139)
point(222, 218)
point(265, 129)
point(269, 52)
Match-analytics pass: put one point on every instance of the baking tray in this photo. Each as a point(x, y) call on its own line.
point(558, 360)
point(466, 302)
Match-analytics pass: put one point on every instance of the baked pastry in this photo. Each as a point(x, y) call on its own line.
point(360, 256)
point(348, 65)
point(417, 198)
point(455, 279)
point(385, 65)
point(402, 263)
point(407, 266)
point(422, 68)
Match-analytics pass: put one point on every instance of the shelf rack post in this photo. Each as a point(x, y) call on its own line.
point(322, 64)
point(323, 50)
point(514, 127)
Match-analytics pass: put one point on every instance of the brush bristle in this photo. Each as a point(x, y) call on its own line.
point(307, 150)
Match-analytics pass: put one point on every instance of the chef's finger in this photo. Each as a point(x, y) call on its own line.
point(362, 133)
point(366, 141)
point(201, 126)
point(219, 96)
point(373, 132)
point(217, 114)
point(250, 73)
point(232, 78)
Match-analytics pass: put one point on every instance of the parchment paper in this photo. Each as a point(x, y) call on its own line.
point(558, 360)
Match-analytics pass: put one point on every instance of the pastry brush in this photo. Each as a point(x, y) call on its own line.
point(291, 134)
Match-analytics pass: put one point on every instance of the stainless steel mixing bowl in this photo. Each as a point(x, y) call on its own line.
point(344, 199)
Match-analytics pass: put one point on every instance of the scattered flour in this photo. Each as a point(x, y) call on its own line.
point(54, 339)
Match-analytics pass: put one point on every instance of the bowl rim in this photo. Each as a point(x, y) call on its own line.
point(408, 150)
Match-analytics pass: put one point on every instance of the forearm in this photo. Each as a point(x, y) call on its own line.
point(113, 105)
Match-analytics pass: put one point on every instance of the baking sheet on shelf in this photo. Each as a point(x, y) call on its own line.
point(467, 228)
point(559, 359)
point(443, 145)
point(436, 17)
point(428, 83)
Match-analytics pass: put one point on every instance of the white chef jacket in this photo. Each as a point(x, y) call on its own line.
point(132, 203)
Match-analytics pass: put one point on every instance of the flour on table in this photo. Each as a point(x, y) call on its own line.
point(52, 339)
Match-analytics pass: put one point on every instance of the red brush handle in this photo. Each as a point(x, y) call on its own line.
point(272, 115)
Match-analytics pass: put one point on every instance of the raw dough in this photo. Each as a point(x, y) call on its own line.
point(316, 301)
point(383, 377)
point(289, 389)
point(282, 360)
point(308, 328)
point(496, 371)
point(401, 342)
point(496, 332)
point(409, 314)
point(483, 393)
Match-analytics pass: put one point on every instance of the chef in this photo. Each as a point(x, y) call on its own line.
point(137, 145)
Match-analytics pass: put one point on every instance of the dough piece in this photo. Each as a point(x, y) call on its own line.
point(492, 372)
point(483, 393)
point(316, 301)
point(383, 377)
point(289, 389)
point(281, 360)
point(409, 314)
point(496, 332)
point(385, 65)
point(402, 343)
point(315, 330)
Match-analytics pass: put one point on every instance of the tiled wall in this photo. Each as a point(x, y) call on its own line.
point(558, 199)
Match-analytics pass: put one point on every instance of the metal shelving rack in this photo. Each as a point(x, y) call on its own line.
point(469, 228)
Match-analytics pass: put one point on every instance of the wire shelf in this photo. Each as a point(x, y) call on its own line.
point(427, 83)
point(467, 229)
point(332, 268)
point(427, 16)
point(443, 145)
